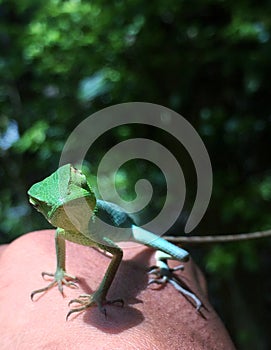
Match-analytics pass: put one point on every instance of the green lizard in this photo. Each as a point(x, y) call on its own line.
point(67, 201)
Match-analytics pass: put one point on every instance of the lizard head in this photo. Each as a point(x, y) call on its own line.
point(64, 198)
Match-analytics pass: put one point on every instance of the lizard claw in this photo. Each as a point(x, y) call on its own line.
point(88, 300)
point(60, 278)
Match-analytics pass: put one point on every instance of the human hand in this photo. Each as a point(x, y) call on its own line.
point(150, 319)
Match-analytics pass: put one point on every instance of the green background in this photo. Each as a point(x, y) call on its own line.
point(210, 61)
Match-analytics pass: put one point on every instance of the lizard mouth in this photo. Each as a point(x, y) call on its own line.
point(33, 202)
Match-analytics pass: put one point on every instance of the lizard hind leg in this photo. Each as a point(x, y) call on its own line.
point(164, 274)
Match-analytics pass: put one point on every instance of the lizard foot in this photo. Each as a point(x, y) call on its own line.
point(60, 278)
point(88, 300)
point(164, 274)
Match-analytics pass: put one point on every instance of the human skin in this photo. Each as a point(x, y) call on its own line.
point(150, 318)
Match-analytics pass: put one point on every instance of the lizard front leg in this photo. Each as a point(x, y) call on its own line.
point(60, 277)
point(99, 297)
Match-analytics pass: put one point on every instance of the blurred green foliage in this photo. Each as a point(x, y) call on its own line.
point(210, 61)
